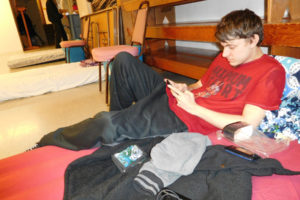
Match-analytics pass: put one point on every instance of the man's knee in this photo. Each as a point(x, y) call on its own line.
point(122, 64)
point(123, 56)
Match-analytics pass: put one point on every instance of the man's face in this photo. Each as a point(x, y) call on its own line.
point(237, 51)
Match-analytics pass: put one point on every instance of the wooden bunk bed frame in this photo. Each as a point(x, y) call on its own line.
point(282, 38)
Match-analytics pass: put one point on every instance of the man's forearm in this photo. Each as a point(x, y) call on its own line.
point(251, 115)
point(219, 120)
point(194, 86)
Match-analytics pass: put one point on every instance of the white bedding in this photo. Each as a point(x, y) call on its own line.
point(31, 58)
point(47, 79)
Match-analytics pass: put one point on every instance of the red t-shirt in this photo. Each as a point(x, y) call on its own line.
point(227, 89)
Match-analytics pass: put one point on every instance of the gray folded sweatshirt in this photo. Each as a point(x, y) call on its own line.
point(176, 155)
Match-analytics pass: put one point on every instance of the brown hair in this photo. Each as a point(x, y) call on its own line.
point(240, 24)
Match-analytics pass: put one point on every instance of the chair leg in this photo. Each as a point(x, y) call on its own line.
point(66, 55)
point(107, 80)
point(69, 53)
point(100, 79)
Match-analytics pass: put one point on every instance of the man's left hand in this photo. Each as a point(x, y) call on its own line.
point(185, 100)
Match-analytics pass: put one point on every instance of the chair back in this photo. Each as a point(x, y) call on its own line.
point(138, 35)
point(85, 28)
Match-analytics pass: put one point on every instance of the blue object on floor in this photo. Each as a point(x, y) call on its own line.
point(76, 54)
point(141, 57)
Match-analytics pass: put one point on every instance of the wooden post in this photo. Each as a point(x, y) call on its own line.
point(21, 10)
point(276, 9)
point(275, 12)
point(294, 8)
point(168, 13)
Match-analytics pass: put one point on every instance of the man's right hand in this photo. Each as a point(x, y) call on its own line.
point(180, 86)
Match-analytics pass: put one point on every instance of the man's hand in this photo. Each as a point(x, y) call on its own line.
point(180, 86)
point(185, 99)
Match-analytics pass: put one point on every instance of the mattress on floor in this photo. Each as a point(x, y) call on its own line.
point(39, 174)
point(39, 81)
point(36, 57)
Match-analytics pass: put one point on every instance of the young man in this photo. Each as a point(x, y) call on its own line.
point(240, 85)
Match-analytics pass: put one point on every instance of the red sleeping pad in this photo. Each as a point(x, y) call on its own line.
point(39, 174)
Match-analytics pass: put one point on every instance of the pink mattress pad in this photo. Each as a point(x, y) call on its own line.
point(39, 174)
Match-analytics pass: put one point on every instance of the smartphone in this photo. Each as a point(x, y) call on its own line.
point(241, 152)
point(168, 82)
point(173, 88)
point(129, 157)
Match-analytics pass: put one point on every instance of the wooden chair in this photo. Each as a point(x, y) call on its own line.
point(106, 54)
point(77, 43)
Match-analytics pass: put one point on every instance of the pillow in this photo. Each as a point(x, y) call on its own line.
point(292, 70)
point(285, 122)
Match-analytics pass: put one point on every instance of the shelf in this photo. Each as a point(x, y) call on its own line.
point(134, 4)
point(190, 62)
point(282, 34)
point(279, 34)
point(283, 38)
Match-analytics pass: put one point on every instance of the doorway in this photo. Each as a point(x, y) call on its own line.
point(30, 22)
point(40, 31)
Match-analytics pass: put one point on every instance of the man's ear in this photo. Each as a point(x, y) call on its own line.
point(254, 40)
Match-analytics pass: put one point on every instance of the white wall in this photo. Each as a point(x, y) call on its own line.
point(9, 38)
point(213, 10)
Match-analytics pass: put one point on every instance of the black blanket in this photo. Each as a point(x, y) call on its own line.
point(219, 175)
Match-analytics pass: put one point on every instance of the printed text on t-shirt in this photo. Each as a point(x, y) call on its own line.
point(228, 83)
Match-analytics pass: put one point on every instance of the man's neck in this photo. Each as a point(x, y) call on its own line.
point(257, 53)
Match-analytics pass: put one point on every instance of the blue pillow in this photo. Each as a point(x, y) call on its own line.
point(292, 70)
point(285, 122)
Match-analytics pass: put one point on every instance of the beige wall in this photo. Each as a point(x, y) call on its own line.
point(60, 5)
point(9, 38)
point(84, 7)
point(43, 2)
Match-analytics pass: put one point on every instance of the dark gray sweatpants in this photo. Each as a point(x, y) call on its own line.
point(139, 108)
